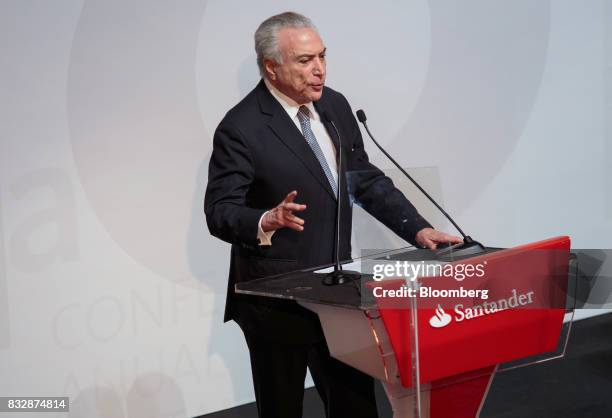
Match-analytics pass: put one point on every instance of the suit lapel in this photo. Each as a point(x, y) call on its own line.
point(286, 131)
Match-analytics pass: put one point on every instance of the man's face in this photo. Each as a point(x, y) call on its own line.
point(302, 74)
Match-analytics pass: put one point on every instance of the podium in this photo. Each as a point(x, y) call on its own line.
point(435, 332)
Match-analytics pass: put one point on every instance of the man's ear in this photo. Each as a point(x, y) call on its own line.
point(270, 68)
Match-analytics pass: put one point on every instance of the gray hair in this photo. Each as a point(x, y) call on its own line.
point(266, 36)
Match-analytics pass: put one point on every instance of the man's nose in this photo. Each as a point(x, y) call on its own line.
point(319, 67)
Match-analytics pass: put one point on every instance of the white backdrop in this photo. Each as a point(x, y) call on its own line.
point(112, 290)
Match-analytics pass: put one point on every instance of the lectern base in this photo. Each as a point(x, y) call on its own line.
point(404, 401)
point(359, 339)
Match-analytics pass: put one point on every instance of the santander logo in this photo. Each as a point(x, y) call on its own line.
point(440, 319)
point(464, 313)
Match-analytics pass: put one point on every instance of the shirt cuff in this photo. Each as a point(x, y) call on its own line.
point(264, 238)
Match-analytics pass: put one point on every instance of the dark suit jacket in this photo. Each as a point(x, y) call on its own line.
point(259, 156)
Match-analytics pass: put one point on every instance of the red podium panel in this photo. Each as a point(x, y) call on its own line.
point(462, 339)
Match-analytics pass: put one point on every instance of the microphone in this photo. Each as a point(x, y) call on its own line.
point(469, 246)
point(338, 276)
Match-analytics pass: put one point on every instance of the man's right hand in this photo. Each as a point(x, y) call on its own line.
point(282, 215)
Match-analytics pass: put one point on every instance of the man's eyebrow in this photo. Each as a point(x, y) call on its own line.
point(311, 55)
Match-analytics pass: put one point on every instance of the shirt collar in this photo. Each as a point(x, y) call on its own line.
point(291, 106)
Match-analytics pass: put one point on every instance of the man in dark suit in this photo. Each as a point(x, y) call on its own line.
point(276, 146)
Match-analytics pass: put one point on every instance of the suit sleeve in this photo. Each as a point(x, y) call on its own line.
point(376, 193)
point(230, 174)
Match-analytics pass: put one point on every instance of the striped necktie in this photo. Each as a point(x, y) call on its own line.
point(304, 117)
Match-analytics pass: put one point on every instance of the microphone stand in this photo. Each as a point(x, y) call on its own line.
point(338, 276)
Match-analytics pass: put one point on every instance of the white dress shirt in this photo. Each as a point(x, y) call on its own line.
point(325, 142)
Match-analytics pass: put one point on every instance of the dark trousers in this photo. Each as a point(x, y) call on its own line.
point(279, 371)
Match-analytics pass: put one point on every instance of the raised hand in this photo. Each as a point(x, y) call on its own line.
point(282, 215)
